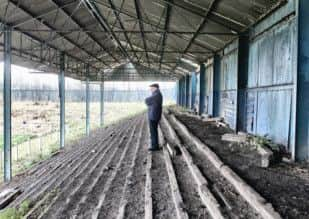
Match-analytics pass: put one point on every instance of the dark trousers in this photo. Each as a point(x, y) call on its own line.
point(153, 126)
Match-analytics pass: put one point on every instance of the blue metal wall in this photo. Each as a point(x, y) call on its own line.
point(253, 83)
point(271, 82)
point(228, 84)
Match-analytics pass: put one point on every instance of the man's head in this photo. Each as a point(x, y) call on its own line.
point(154, 87)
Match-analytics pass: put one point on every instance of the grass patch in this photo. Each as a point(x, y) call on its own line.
point(17, 139)
point(15, 213)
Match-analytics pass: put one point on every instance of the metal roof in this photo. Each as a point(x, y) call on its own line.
point(161, 39)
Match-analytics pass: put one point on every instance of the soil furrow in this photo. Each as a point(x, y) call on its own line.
point(163, 206)
point(135, 193)
point(51, 175)
point(110, 204)
point(83, 196)
point(91, 193)
point(70, 189)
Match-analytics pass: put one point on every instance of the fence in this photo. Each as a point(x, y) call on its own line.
point(33, 148)
point(79, 95)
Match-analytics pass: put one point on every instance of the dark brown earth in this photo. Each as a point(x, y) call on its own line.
point(286, 186)
point(104, 176)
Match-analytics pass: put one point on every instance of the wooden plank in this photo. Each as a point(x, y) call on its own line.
point(254, 199)
point(207, 197)
point(234, 138)
point(148, 188)
point(7, 196)
point(172, 135)
point(177, 198)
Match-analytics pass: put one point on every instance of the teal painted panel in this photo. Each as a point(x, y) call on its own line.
point(265, 60)
point(283, 54)
point(273, 115)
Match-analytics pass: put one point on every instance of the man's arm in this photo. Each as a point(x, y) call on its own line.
point(150, 100)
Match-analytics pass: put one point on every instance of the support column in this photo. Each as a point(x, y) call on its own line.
point(302, 103)
point(193, 90)
point(87, 103)
point(181, 92)
point(102, 103)
point(202, 89)
point(242, 78)
point(178, 92)
point(216, 85)
point(187, 81)
point(62, 99)
point(7, 104)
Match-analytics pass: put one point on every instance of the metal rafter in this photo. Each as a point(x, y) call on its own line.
point(47, 12)
point(200, 27)
point(85, 30)
point(141, 26)
point(82, 27)
point(189, 7)
point(151, 24)
point(95, 12)
point(166, 28)
point(16, 4)
point(122, 26)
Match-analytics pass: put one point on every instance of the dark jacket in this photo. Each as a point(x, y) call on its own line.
point(154, 103)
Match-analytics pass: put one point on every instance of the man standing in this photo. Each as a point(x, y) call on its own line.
point(154, 103)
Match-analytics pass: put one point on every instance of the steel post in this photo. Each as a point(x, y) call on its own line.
point(242, 78)
point(62, 99)
point(187, 81)
point(202, 88)
point(87, 103)
point(102, 103)
point(193, 90)
point(7, 104)
point(216, 86)
point(302, 103)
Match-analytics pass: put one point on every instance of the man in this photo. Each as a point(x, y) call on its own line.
point(154, 103)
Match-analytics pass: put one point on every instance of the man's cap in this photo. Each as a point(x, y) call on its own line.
point(154, 85)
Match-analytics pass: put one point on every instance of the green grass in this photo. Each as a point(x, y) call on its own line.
point(17, 139)
point(15, 213)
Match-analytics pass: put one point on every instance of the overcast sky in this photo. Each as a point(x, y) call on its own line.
point(23, 77)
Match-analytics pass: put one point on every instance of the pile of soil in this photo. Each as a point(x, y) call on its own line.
point(286, 186)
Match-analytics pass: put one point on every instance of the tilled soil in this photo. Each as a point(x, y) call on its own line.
point(286, 186)
point(101, 176)
point(104, 176)
point(135, 193)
